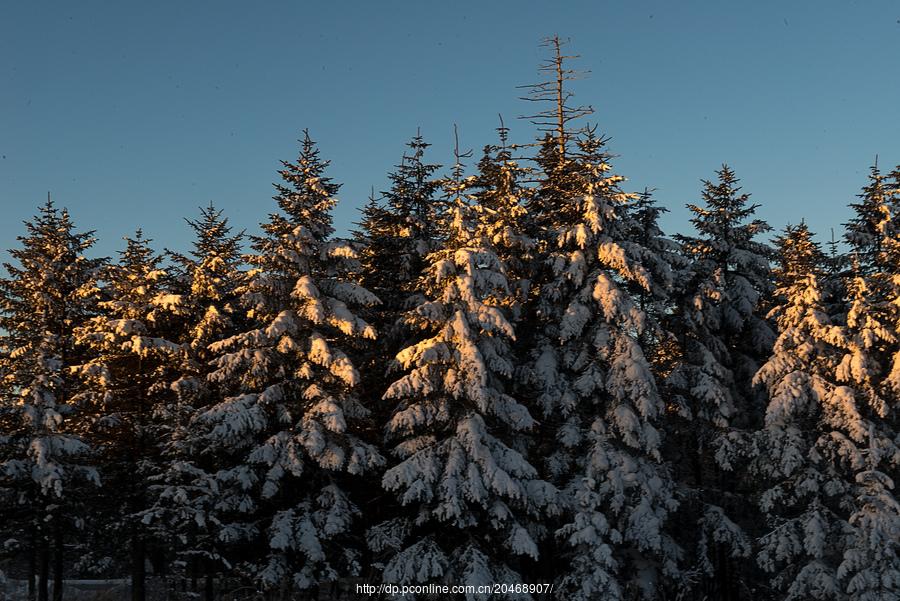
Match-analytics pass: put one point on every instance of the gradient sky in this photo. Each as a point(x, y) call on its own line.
point(134, 114)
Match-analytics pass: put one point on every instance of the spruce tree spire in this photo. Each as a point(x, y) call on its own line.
point(305, 194)
point(399, 229)
point(864, 232)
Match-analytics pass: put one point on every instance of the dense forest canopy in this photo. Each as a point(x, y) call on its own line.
point(508, 374)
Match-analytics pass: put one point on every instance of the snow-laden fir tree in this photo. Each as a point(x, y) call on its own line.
point(471, 502)
point(127, 377)
point(832, 516)
point(801, 447)
point(722, 337)
point(719, 304)
point(659, 254)
point(44, 458)
point(865, 231)
point(662, 258)
point(291, 408)
point(500, 202)
point(399, 230)
point(595, 386)
point(191, 509)
point(871, 365)
point(873, 235)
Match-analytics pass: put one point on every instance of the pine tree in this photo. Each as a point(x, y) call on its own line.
point(398, 231)
point(871, 566)
point(720, 303)
point(663, 259)
point(190, 508)
point(471, 501)
point(291, 408)
point(131, 364)
point(44, 457)
point(828, 507)
point(864, 233)
point(500, 203)
point(722, 337)
point(595, 385)
point(802, 492)
point(871, 563)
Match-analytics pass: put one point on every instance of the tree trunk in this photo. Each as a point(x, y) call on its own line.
point(32, 568)
point(726, 584)
point(194, 570)
point(43, 570)
point(58, 562)
point(138, 569)
point(208, 588)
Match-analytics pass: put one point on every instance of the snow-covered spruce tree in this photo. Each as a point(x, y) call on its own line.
point(830, 508)
point(500, 200)
point(719, 304)
point(873, 235)
point(871, 566)
point(662, 258)
point(888, 279)
point(191, 510)
point(131, 364)
point(291, 410)
point(471, 502)
point(801, 447)
point(871, 365)
point(399, 230)
point(595, 385)
point(865, 232)
point(659, 254)
point(722, 337)
point(44, 459)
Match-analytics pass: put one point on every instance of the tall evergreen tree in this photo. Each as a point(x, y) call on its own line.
point(871, 566)
point(472, 502)
point(722, 337)
point(719, 305)
point(864, 232)
point(44, 456)
point(803, 491)
point(399, 230)
point(664, 260)
point(500, 203)
point(190, 509)
point(596, 388)
point(829, 507)
point(131, 363)
point(292, 409)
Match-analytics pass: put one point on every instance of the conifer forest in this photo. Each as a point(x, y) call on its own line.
point(508, 379)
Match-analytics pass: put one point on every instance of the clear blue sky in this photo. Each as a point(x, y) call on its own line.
point(136, 113)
